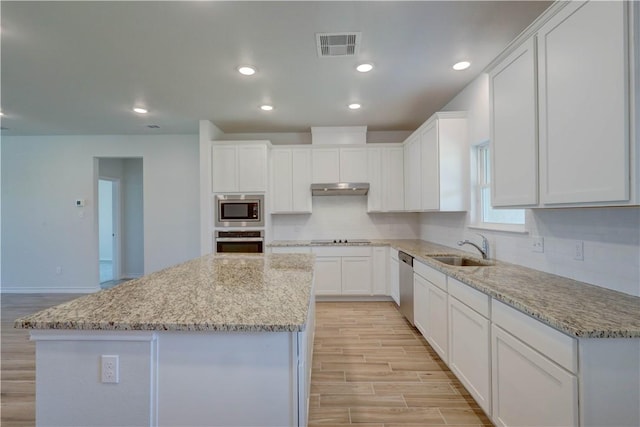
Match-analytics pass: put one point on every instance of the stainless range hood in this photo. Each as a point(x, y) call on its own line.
point(340, 189)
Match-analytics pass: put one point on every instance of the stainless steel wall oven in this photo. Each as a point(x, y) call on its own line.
point(239, 241)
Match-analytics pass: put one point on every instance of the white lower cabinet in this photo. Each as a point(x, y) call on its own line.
point(432, 307)
point(394, 275)
point(328, 276)
point(533, 366)
point(343, 270)
point(420, 303)
point(379, 270)
point(356, 275)
point(528, 388)
point(470, 342)
point(437, 321)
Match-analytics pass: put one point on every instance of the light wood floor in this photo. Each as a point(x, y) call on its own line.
point(370, 368)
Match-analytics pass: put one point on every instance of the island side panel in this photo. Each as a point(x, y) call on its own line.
point(228, 379)
point(69, 391)
point(305, 363)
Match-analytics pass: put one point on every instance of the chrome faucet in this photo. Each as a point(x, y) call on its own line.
point(484, 250)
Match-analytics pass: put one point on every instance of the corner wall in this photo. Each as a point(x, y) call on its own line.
point(42, 229)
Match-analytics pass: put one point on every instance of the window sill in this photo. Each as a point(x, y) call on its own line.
point(507, 228)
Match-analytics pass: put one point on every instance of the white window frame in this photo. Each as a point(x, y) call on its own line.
point(481, 181)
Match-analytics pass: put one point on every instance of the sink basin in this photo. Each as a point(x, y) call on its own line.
point(460, 261)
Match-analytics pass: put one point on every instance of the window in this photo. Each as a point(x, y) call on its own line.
point(486, 215)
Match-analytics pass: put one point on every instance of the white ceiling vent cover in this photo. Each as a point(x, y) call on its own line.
point(337, 44)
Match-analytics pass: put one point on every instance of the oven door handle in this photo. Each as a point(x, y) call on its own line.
point(242, 239)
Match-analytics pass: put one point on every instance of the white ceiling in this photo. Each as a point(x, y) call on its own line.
point(79, 67)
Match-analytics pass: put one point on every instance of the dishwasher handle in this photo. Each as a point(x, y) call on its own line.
point(405, 257)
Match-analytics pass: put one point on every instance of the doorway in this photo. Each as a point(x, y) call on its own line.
point(108, 226)
point(120, 238)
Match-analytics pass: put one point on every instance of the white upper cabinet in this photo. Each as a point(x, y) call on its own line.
point(412, 174)
point(386, 178)
point(290, 180)
point(326, 165)
point(345, 164)
point(560, 105)
point(514, 129)
point(239, 167)
point(584, 104)
point(437, 165)
point(224, 168)
point(353, 164)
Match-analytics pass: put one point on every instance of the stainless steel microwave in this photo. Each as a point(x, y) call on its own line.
point(239, 210)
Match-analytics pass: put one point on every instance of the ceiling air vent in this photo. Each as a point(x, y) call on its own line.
point(337, 44)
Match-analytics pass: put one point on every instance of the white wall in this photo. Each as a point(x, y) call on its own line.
point(611, 236)
point(42, 229)
point(133, 219)
point(105, 220)
point(344, 217)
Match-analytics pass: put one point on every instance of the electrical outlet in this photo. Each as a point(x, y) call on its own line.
point(58, 270)
point(537, 244)
point(110, 369)
point(578, 251)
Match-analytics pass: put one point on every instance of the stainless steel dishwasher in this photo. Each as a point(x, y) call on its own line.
point(406, 285)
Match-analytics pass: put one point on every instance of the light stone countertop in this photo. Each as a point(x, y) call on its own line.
point(222, 292)
point(576, 308)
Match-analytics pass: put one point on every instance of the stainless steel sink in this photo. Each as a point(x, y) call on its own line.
point(461, 261)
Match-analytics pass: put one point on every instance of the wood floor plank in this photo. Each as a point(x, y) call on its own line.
point(412, 393)
point(361, 400)
point(427, 416)
point(417, 389)
point(341, 388)
point(464, 416)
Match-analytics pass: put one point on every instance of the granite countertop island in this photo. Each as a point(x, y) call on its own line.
point(576, 308)
point(221, 292)
point(189, 345)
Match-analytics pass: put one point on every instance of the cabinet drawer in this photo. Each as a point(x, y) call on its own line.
point(434, 276)
point(555, 345)
point(341, 250)
point(471, 297)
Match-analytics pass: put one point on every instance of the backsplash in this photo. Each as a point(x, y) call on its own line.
point(344, 217)
point(610, 237)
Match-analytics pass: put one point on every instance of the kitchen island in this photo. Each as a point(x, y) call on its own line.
point(222, 340)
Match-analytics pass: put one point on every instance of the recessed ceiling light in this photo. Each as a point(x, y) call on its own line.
point(140, 110)
point(247, 70)
point(463, 65)
point(1, 113)
point(354, 106)
point(266, 107)
point(365, 68)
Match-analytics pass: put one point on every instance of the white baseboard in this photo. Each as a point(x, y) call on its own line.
point(40, 290)
point(131, 275)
